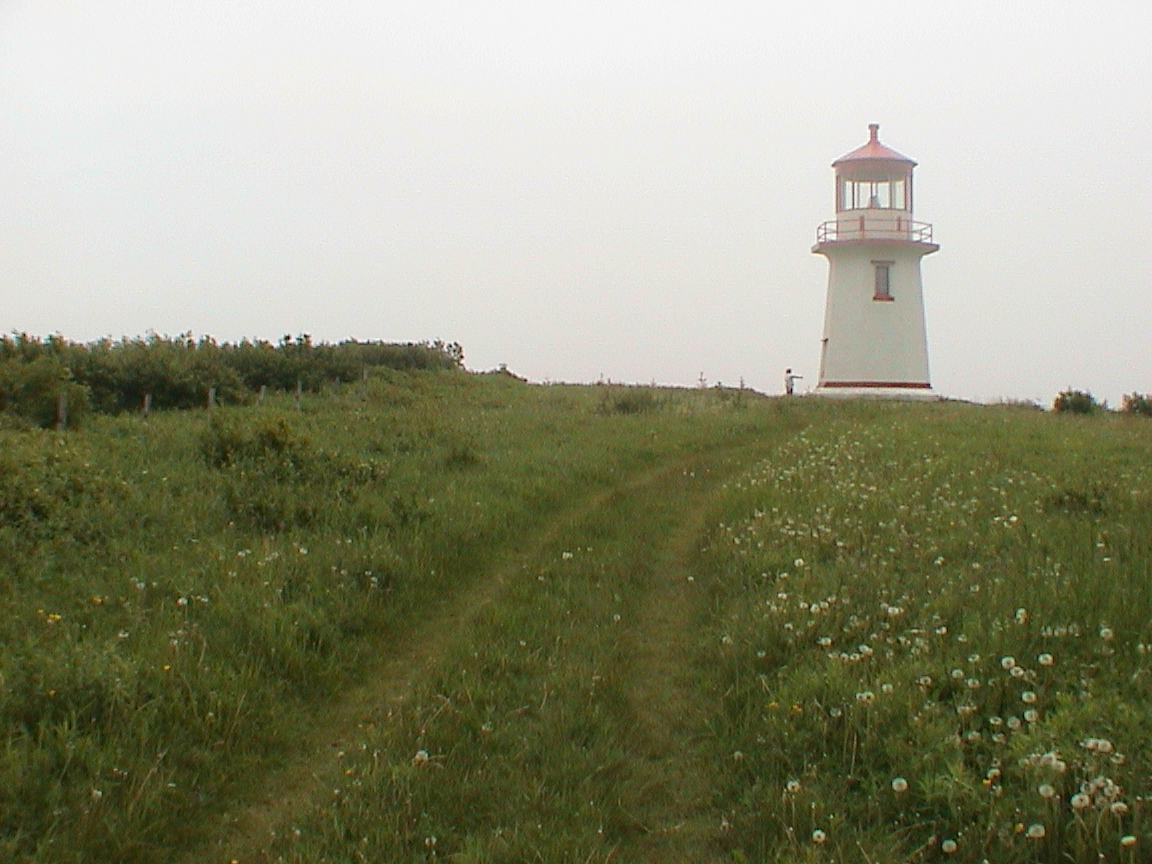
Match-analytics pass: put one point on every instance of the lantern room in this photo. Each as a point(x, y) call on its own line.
point(873, 177)
point(874, 196)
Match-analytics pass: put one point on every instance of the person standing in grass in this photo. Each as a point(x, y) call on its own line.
point(790, 381)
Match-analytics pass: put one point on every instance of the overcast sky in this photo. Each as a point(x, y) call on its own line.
point(617, 189)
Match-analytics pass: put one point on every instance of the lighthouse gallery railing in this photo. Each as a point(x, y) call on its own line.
point(874, 228)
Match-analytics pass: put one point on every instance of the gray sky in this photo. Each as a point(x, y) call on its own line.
point(621, 189)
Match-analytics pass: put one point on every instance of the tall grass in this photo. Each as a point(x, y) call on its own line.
point(182, 593)
point(887, 632)
point(933, 641)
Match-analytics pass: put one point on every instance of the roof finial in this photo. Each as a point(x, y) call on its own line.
point(873, 132)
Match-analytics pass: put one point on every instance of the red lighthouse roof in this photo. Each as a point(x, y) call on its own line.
point(873, 150)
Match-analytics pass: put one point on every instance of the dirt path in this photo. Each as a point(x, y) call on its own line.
point(666, 721)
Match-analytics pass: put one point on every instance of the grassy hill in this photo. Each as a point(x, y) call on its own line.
point(442, 615)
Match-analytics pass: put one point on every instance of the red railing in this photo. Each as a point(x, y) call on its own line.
point(874, 228)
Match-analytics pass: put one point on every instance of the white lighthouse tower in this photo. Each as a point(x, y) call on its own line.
point(874, 338)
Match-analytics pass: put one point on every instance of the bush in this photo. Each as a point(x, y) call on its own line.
point(632, 400)
point(1134, 403)
point(1075, 401)
point(30, 389)
point(275, 478)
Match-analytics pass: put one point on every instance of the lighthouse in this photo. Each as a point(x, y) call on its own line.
point(875, 342)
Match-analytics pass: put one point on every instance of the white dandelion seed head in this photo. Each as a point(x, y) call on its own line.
point(886, 689)
point(1119, 808)
point(1080, 801)
point(1046, 659)
point(819, 836)
point(792, 787)
point(1036, 831)
point(1008, 662)
point(1107, 634)
point(899, 784)
point(1017, 671)
point(948, 846)
point(957, 674)
point(1028, 697)
point(1031, 715)
point(1128, 841)
point(1046, 790)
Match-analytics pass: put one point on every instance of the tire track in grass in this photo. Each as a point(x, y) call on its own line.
point(244, 836)
point(669, 779)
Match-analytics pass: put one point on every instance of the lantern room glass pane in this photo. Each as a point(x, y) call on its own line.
point(899, 201)
point(873, 194)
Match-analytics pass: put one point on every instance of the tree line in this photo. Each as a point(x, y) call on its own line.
point(39, 375)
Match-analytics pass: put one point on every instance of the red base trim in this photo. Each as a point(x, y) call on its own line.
point(912, 385)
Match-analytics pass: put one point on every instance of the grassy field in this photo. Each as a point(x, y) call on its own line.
point(458, 617)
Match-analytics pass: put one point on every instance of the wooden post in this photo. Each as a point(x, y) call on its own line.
point(299, 392)
point(147, 409)
point(263, 393)
point(61, 412)
point(211, 397)
point(364, 385)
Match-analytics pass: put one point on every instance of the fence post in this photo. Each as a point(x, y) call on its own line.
point(147, 409)
point(364, 385)
point(61, 411)
point(299, 392)
point(211, 397)
point(263, 393)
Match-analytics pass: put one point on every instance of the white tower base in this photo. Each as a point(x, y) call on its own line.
point(899, 393)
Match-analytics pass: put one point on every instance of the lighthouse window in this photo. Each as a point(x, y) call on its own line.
point(873, 194)
point(883, 280)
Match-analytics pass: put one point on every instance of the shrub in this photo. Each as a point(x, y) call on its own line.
point(1135, 403)
point(30, 388)
point(1075, 401)
point(274, 477)
point(633, 400)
